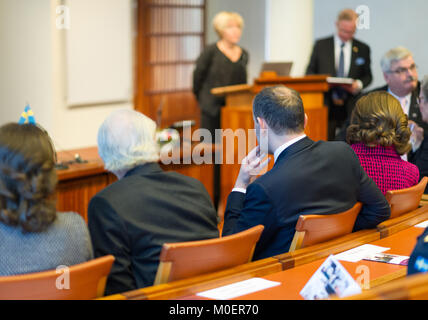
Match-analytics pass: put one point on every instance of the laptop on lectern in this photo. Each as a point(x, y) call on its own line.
point(282, 69)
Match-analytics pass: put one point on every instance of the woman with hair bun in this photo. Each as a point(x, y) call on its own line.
point(33, 236)
point(379, 135)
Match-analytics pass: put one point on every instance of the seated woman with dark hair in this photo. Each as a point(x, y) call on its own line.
point(379, 135)
point(33, 236)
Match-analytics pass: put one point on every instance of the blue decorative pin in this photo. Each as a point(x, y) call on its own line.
point(27, 115)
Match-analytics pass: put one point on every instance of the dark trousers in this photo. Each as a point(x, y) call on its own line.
point(211, 123)
point(336, 120)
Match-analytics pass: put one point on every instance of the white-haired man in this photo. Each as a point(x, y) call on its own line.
point(147, 207)
point(401, 76)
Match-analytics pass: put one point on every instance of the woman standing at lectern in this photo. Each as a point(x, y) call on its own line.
point(223, 63)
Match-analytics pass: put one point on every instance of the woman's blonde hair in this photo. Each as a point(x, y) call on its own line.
point(222, 18)
point(378, 119)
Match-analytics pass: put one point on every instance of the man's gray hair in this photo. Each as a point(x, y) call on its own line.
point(126, 139)
point(395, 54)
point(424, 86)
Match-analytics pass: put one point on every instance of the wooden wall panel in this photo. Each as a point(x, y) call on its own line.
point(170, 37)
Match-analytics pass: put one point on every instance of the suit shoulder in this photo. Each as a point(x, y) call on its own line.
point(383, 88)
point(360, 43)
point(325, 39)
point(209, 49)
point(323, 42)
point(335, 147)
point(184, 178)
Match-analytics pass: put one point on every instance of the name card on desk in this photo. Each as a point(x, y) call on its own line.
point(331, 278)
point(238, 289)
point(359, 253)
point(422, 224)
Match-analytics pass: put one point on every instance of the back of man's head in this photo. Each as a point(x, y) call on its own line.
point(126, 139)
point(281, 108)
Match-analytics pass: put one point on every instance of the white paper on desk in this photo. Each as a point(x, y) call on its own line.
point(330, 278)
point(422, 224)
point(238, 289)
point(359, 253)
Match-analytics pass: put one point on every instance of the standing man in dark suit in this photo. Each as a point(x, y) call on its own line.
point(342, 56)
point(147, 207)
point(307, 177)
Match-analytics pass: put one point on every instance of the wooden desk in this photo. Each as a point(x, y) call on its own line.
point(318, 252)
point(81, 181)
point(203, 282)
point(293, 280)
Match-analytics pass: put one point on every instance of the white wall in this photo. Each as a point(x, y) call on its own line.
point(392, 23)
point(76, 127)
point(25, 60)
point(32, 69)
point(253, 37)
point(289, 33)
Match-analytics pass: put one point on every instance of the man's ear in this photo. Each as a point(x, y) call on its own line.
point(262, 123)
point(385, 76)
point(306, 121)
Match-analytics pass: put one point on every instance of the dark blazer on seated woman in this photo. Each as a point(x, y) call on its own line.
point(379, 135)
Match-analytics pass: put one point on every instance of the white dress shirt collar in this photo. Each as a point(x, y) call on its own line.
point(404, 101)
point(280, 149)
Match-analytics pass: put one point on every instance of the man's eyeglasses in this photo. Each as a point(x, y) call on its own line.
point(401, 70)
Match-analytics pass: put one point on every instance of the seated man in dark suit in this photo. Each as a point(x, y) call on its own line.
point(147, 207)
point(342, 56)
point(419, 153)
point(307, 177)
point(401, 77)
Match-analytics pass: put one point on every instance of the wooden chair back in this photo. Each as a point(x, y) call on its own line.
point(405, 200)
point(313, 229)
point(187, 259)
point(83, 281)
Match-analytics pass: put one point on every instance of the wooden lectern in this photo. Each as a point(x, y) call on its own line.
point(237, 114)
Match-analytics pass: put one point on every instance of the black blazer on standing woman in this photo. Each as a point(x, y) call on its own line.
point(214, 69)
